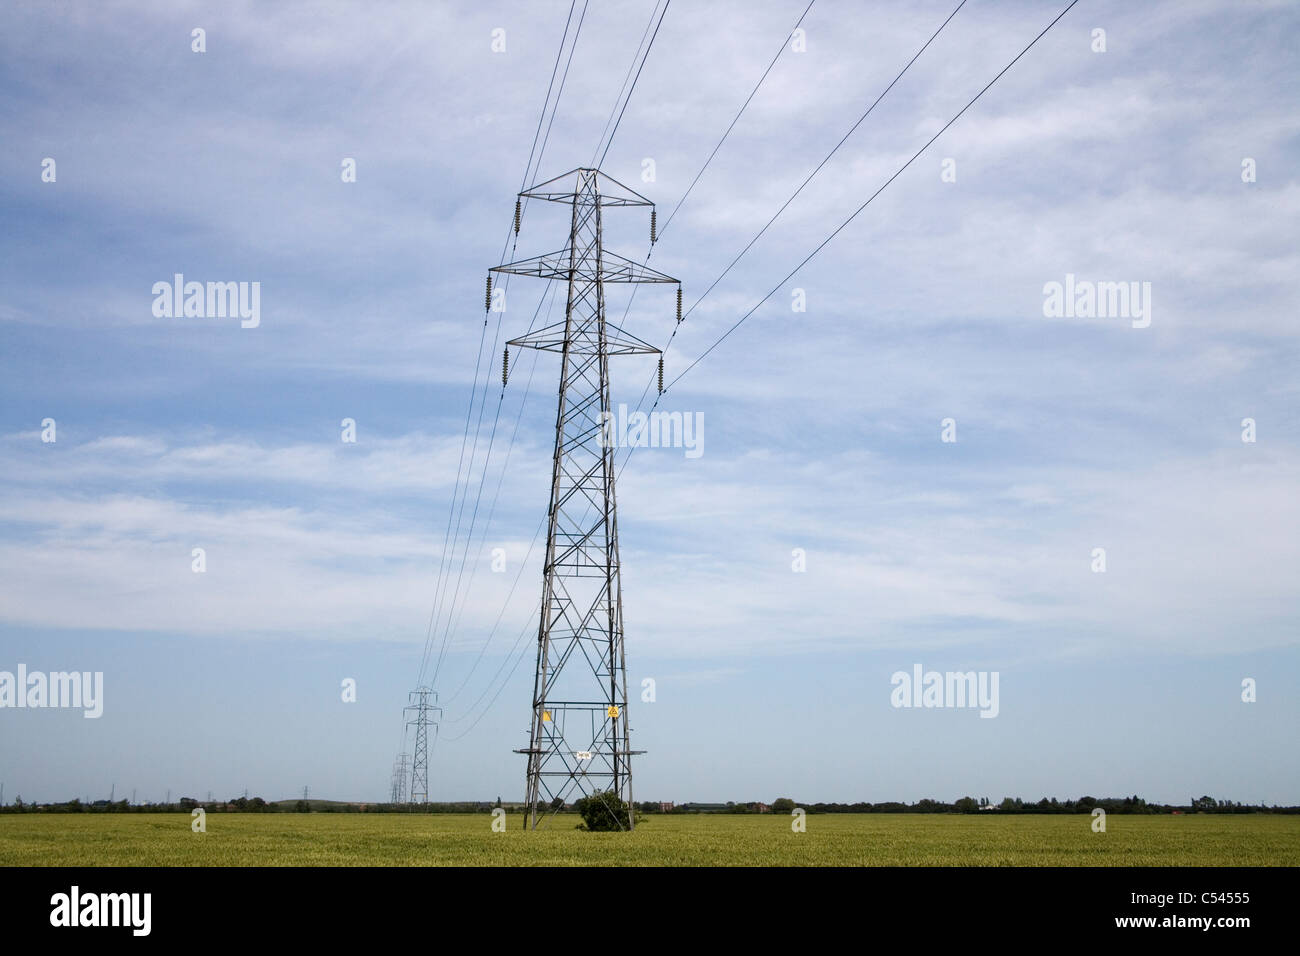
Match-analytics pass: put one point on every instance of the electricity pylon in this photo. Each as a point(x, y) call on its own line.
point(419, 703)
point(579, 741)
point(397, 793)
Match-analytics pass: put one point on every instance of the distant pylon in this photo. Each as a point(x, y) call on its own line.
point(421, 706)
point(397, 792)
point(579, 740)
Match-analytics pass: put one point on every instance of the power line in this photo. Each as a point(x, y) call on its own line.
point(449, 610)
point(826, 159)
point(522, 653)
point(736, 119)
point(633, 88)
point(622, 89)
point(664, 228)
point(882, 188)
point(492, 510)
point(577, 33)
point(469, 415)
point(440, 599)
point(549, 86)
point(523, 564)
point(439, 586)
point(505, 604)
point(673, 335)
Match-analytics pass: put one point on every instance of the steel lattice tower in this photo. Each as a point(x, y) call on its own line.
point(400, 769)
point(578, 738)
point(419, 703)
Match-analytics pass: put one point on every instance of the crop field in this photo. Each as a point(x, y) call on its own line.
point(336, 839)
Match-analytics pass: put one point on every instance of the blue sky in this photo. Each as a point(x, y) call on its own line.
point(821, 428)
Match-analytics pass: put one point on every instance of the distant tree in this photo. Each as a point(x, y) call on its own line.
point(782, 805)
point(302, 806)
point(967, 805)
point(498, 802)
point(556, 805)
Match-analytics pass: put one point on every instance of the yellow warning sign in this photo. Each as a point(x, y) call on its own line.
point(546, 715)
point(613, 710)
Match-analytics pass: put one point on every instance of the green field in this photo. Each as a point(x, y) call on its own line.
point(336, 839)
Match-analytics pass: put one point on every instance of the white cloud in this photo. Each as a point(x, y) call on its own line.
point(1197, 548)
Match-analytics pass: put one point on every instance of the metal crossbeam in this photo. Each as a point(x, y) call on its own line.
point(565, 265)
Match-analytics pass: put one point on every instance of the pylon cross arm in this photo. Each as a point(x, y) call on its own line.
point(577, 183)
point(561, 265)
point(617, 342)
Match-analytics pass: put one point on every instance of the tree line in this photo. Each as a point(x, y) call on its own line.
point(1085, 804)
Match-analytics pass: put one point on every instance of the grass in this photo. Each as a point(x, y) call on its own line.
point(335, 839)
